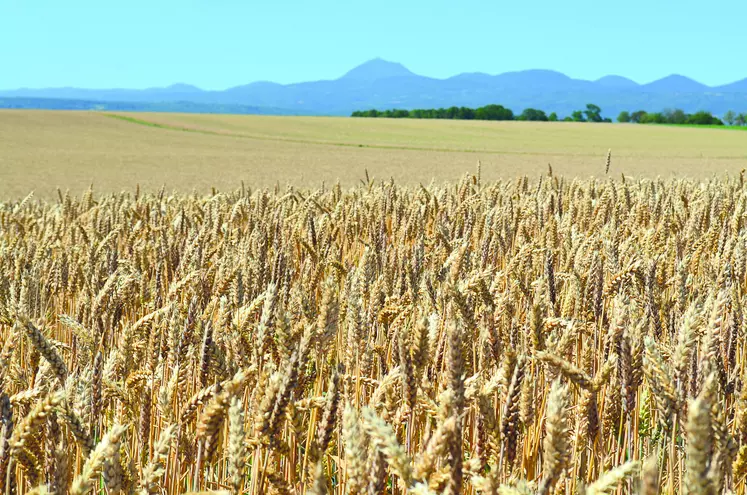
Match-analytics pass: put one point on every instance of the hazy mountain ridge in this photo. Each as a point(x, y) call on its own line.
point(381, 84)
point(18, 103)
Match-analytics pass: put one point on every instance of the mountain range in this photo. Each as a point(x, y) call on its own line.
point(382, 85)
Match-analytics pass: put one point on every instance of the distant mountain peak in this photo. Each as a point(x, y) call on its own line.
point(186, 88)
point(376, 69)
point(675, 83)
point(178, 88)
point(616, 82)
point(676, 77)
point(538, 72)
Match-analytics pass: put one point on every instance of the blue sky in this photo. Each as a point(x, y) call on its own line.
point(217, 44)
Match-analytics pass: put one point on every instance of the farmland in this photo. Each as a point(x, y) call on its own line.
point(508, 328)
point(41, 150)
point(552, 336)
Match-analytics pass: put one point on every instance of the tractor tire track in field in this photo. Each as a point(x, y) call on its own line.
point(171, 127)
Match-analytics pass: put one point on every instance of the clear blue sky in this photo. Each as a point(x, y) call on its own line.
point(216, 44)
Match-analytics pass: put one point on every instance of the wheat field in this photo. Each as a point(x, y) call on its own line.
point(543, 336)
point(44, 150)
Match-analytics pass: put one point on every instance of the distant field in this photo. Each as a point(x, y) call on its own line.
point(41, 150)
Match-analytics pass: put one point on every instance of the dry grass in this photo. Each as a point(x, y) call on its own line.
point(42, 150)
point(547, 337)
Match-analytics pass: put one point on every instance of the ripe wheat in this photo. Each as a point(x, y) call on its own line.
point(546, 337)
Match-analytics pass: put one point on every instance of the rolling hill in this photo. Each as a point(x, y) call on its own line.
point(382, 84)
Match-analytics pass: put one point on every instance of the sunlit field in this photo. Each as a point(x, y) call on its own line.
point(43, 150)
point(544, 336)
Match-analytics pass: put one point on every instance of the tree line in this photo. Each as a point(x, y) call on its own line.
point(592, 113)
point(677, 116)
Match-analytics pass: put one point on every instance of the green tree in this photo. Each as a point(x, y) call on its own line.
point(578, 116)
point(494, 112)
point(624, 117)
point(741, 119)
point(679, 116)
point(593, 113)
point(654, 118)
point(452, 112)
point(638, 117)
point(553, 117)
point(533, 115)
point(703, 118)
point(675, 116)
point(466, 113)
point(730, 117)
